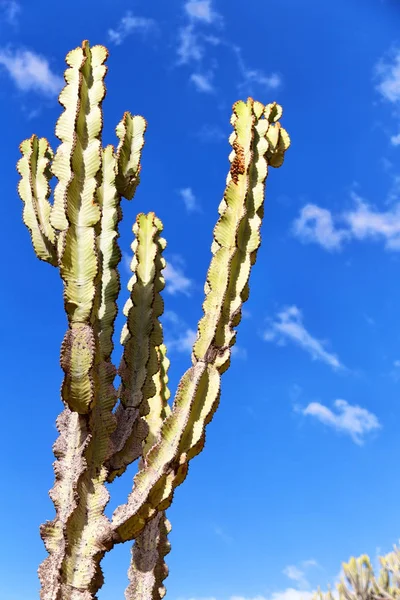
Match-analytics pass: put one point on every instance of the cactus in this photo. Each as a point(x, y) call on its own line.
point(360, 582)
point(102, 429)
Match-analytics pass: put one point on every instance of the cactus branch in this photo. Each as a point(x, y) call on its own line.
point(34, 190)
point(236, 239)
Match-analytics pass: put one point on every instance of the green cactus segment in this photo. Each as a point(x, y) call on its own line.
point(130, 132)
point(159, 409)
point(148, 569)
point(237, 233)
point(110, 253)
point(154, 482)
point(141, 337)
point(143, 310)
point(69, 451)
point(34, 190)
point(76, 213)
point(236, 239)
point(77, 165)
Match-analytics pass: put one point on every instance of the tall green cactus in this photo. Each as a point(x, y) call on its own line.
point(78, 233)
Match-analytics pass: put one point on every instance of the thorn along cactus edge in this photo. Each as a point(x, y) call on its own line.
point(102, 429)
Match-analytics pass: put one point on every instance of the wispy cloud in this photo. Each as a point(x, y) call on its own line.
point(189, 199)
point(192, 40)
point(30, 71)
point(222, 534)
point(211, 133)
point(189, 48)
point(297, 574)
point(352, 420)
point(130, 24)
point(288, 325)
point(395, 139)
point(176, 280)
point(202, 10)
point(178, 336)
point(318, 225)
point(203, 82)
point(387, 71)
point(10, 11)
point(254, 77)
point(239, 352)
point(194, 37)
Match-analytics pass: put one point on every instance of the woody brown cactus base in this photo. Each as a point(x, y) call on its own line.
point(78, 233)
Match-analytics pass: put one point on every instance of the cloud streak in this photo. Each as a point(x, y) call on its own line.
point(363, 223)
point(130, 24)
point(353, 420)
point(189, 199)
point(289, 326)
point(31, 72)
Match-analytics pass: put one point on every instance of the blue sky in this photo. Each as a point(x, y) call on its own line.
point(300, 467)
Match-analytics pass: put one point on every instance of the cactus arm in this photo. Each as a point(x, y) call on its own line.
point(141, 336)
point(34, 191)
point(111, 214)
point(130, 132)
point(76, 213)
point(148, 568)
point(236, 239)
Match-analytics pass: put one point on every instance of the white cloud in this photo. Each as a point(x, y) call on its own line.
point(395, 140)
point(202, 82)
point(178, 336)
point(252, 77)
point(239, 352)
point(10, 9)
point(389, 74)
point(189, 199)
point(130, 24)
point(315, 224)
point(211, 133)
point(191, 39)
point(201, 10)
point(352, 420)
point(189, 48)
point(318, 225)
point(289, 326)
point(31, 71)
point(297, 575)
point(183, 342)
point(176, 281)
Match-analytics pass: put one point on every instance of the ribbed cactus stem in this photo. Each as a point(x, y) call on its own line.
point(78, 233)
